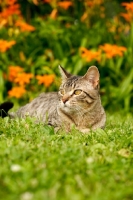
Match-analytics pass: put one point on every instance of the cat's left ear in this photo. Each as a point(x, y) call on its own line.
point(93, 76)
point(64, 73)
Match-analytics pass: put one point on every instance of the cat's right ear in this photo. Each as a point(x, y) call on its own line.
point(64, 73)
point(93, 76)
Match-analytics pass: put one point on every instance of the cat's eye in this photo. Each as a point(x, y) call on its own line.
point(62, 91)
point(77, 92)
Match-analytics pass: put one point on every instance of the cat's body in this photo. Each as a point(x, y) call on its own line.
point(77, 103)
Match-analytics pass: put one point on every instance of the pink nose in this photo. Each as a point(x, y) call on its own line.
point(65, 100)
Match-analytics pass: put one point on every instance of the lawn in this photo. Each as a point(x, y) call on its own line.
point(36, 164)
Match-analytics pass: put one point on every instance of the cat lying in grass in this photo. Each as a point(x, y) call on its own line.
point(76, 103)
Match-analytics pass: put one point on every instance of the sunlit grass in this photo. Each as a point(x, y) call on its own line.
point(37, 164)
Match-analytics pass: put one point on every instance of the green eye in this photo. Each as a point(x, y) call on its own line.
point(77, 92)
point(62, 91)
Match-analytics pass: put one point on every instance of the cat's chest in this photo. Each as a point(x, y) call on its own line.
point(83, 120)
point(79, 119)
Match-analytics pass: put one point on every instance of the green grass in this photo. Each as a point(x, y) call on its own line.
point(36, 164)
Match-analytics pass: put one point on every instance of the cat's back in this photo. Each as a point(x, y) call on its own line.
point(45, 102)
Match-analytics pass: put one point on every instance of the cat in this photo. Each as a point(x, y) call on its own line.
point(76, 103)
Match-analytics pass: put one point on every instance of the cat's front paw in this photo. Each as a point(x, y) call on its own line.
point(84, 130)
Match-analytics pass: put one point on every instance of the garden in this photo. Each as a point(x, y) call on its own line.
point(36, 36)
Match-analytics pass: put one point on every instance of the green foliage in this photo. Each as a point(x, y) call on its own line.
point(58, 40)
point(38, 164)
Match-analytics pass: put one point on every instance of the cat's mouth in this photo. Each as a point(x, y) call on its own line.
point(67, 107)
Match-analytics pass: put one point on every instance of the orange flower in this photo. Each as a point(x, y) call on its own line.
point(53, 14)
point(24, 26)
point(47, 80)
point(113, 50)
point(65, 4)
point(17, 75)
point(13, 72)
point(36, 2)
point(17, 92)
point(5, 45)
point(92, 3)
point(23, 78)
point(84, 16)
point(128, 6)
point(11, 10)
point(127, 16)
point(11, 2)
point(90, 55)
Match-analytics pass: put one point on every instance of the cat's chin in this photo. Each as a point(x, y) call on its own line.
point(66, 107)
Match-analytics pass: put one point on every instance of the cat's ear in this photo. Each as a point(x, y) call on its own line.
point(93, 76)
point(64, 73)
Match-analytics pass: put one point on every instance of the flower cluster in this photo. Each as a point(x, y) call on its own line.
point(10, 8)
point(11, 16)
point(20, 78)
point(5, 45)
point(60, 31)
point(113, 50)
point(89, 55)
point(65, 4)
point(90, 6)
point(13, 72)
point(109, 50)
point(24, 26)
point(128, 16)
point(47, 80)
point(17, 92)
point(17, 75)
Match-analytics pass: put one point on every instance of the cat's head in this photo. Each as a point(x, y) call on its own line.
point(79, 92)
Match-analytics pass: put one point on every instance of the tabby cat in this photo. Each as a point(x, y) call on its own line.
point(76, 103)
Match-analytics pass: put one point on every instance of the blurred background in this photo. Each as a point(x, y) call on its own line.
point(38, 35)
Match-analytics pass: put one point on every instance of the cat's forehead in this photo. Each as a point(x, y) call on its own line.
point(72, 82)
point(76, 82)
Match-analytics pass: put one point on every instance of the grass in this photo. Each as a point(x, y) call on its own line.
point(36, 164)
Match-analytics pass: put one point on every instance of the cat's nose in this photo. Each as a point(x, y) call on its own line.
point(64, 100)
